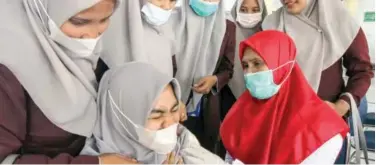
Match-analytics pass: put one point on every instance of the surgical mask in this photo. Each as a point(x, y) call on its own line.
point(203, 8)
point(80, 47)
point(261, 84)
point(248, 20)
point(155, 15)
point(161, 141)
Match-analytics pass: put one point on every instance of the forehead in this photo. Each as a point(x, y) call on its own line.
point(250, 2)
point(156, 1)
point(101, 6)
point(249, 54)
point(165, 96)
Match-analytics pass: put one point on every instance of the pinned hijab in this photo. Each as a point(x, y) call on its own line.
point(127, 94)
point(237, 82)
point(199, 39)
point(60, 80)
point(321, 37)
point(292, 121)
point(132, 88)
point(132, 37)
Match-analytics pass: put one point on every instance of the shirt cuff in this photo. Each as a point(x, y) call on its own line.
point(345, 98)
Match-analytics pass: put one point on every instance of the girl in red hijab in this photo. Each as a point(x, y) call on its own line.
point(280, 119)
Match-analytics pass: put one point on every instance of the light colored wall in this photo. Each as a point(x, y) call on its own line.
point(356, 7)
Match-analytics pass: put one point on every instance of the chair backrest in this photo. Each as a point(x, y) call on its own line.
point(359, 137)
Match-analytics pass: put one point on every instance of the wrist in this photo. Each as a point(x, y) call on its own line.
point(215, 78)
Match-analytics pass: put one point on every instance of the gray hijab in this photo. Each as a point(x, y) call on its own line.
point(61, 83)
point(237, 84)
point(134, 87)
point(322, 34)
point(200, 40)
point(130, 38)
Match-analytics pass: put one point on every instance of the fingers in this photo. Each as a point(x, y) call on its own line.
point(200, 87)
point(167, 161)
point(180, 161)
point(333, 106)
point(116, 159)
point(183, 117)
point(203, 89)
point(200, 83)
point(171, 158)
point(330, 104)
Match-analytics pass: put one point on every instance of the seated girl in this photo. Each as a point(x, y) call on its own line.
point(139, 118)
point(280, 119)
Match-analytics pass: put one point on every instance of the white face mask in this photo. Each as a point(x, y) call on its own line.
point(161, 141)
point(81, 47)
point(155, 15)
point(248, 20)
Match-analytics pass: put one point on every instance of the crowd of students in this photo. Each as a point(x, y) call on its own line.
point(149, 82)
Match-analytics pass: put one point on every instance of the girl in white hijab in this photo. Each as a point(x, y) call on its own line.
point(200, 34)
point(142, 31)
point(325, 43)
point(49, 50)
point(248, 16)
point(139, 118)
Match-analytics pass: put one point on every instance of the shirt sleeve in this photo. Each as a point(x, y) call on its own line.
point(327, 153)
point(358, 66)
point(225, 67)
point(13, 123)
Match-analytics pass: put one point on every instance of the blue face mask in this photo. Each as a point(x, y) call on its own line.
point(203, 8)
point(261, 84)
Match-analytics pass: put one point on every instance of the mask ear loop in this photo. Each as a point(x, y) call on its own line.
point(287, 76)
point(177, 153)
point(112, 104)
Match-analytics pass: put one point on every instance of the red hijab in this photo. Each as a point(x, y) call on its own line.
point(289, 126)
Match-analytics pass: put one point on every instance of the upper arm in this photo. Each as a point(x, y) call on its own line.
point(358, 66)
point(357, 58)
point(12, 114)
point(231, 42)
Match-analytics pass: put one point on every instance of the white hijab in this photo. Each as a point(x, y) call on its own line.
point(134, 88)
point(61, 83)
point(322, 33)
point(237, 84)
point(200, 40)
point(131, 38)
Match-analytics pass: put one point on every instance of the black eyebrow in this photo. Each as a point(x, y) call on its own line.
point(163, 111)
point(158, 111)
point(106, 17)
point(251, 59)
point(78, 19)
